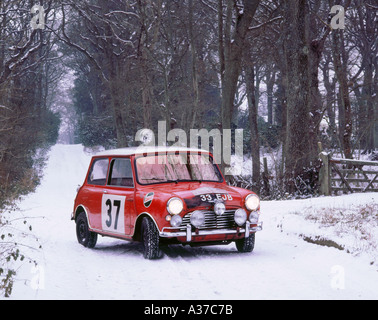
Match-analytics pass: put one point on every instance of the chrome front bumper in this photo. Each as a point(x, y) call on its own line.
point(189, 234)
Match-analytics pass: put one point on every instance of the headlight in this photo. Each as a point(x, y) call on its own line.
point(176, 221)
point(254, 217)
point(197, 219)
point(252, 202)
point(240, 217)
point(219, 209)
point(175, 206)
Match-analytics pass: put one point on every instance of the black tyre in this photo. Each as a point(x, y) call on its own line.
point(150, 240)
point(85, 237)
point(246, 245)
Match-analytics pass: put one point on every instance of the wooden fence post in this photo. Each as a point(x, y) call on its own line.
point(325, 174)
point(266, 177)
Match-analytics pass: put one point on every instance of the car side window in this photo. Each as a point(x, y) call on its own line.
point(98, 173)
point(121, 173)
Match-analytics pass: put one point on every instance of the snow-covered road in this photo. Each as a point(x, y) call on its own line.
point(283, 266)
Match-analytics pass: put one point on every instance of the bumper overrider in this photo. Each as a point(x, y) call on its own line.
point(190, 235)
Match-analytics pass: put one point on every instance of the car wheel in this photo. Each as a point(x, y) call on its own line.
point(246, 245)
point(85, 237)
point(150, 239)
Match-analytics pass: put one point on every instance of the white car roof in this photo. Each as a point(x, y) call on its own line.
point(144, 150)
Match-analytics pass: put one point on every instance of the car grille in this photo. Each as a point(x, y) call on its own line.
point(212, 221)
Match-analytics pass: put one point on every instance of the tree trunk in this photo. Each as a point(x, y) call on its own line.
point(271, 80)
point(195, 74)
point(298, 150)
point(375, 105)
point(253, 121)
point(330, 102)
point(117, 104)
point(146, 91)
point(317, 44)
point(233, 49)
point(345, 110)
point(117, 99)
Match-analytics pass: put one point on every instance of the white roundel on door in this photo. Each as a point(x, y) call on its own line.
point(113, 213)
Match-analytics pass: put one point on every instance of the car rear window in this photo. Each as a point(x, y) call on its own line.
point(98, 173)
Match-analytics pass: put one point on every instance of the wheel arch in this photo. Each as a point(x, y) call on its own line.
point(80, 209)
point(138, 225)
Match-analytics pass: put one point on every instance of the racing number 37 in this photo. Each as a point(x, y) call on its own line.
point(117, 204)
point(113, 213)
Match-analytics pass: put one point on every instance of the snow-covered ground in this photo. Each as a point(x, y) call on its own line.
point(283, 265)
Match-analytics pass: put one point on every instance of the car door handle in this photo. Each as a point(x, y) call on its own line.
point(130, 199)
point(106, 192)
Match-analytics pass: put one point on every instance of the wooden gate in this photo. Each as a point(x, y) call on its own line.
point(347, 176)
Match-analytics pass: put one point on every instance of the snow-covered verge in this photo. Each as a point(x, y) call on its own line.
point(348, 223)
point(283, 265)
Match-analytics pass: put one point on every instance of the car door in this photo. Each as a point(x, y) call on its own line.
point(94, 190)
point(117, 205)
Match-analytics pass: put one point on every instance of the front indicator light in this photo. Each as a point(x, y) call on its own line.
point(240, 217)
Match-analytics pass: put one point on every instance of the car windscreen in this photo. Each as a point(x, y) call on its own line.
point(162, 168)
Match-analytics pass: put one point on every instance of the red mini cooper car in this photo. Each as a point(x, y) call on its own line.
point(163, 196)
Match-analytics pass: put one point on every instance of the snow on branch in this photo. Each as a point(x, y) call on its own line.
point(4, 107)
point(19, 58)
point(265, 23)
point(122, 12)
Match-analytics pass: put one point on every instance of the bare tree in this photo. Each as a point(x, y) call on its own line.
point(362, 32)
point(297, 156)
point(231, 45)
point(105, 38)
point(340, 61)
point(26, 80)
